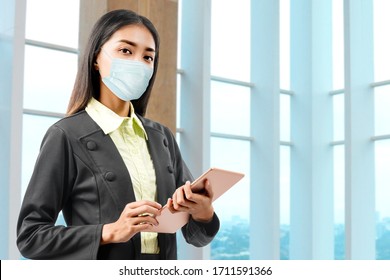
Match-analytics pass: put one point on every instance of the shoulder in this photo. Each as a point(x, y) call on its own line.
point(153, 126)
point(76, 125)
point(71, 121)
point(158, 132)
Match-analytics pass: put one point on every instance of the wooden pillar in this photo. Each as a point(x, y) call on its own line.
point(164, 15)
point(90, 12)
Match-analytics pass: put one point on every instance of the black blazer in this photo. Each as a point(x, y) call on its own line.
point(80, 171)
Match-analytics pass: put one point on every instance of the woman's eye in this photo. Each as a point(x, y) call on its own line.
point(149, 58)
point(125, 51)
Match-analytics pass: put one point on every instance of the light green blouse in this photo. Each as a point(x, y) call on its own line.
point(129, 136)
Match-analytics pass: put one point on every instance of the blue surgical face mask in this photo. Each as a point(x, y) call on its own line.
point(128, 79)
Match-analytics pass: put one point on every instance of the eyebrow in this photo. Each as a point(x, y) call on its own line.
point(135, 45)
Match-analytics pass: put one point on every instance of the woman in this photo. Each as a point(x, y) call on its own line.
point(107, 167)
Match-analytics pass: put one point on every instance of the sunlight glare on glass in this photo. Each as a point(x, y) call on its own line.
point(49, 78)
point(232, 155)
point(284, 44)
point(285, 117)
point(382, 178)
point(338, 43)
point(381, 40)
point(54, 22)
point(284, 185)
point(382, 111)
point(339, 184)
point(230, 109)
point(230, 39)
point(338, 117)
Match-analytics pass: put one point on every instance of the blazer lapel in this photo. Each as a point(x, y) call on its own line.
point(163, 165)
point(110, 164)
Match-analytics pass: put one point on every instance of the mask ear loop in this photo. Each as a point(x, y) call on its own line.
point(95, 64)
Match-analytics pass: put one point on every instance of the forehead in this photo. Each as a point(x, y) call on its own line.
point(135, 33)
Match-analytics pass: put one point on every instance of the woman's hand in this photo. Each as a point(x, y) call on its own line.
point(199, 205)
point(135, 217)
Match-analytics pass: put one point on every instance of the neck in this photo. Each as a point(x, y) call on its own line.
point(115, 104)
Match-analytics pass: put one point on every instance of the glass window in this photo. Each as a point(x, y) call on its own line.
point(338, 117)
point(284, 38)
point(382, 194)
point(34, 128)
point(381, 9)
point(55, 22)
point(382, 112)
point(178, 101)
point(230, 109)
point(48, 74)
point(230, 39)
point(232, 240)
point(284, 203)
point(48, 79)
point(338, 43)
point(339, 201)
point(381, 40)
point(179, 23)
point(285, 117)
point(285, 128)
point(338, 128)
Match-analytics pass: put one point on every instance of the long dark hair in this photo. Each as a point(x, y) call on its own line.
point(87, 84)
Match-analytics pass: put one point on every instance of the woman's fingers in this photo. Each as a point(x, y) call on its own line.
point(141, 220)
point(199, 205)
point(170, 206)
point(206, 194)
point(209, 189)
point(144, 207)
point(137, 204)
point(180, 201)
point(135, 217)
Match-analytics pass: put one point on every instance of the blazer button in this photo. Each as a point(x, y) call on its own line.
point(165, 141)
point(91, 145)
point(110, 176)
point(170, 169)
